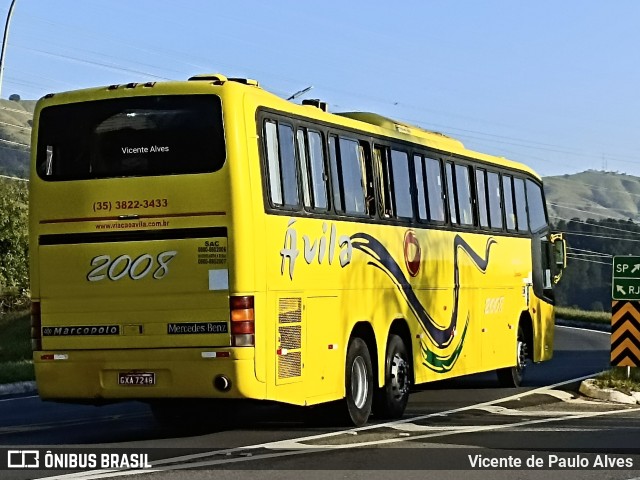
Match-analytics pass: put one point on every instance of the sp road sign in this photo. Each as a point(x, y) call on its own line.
point(625, 284)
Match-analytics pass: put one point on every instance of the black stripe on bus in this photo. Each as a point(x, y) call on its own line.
point(134, 236)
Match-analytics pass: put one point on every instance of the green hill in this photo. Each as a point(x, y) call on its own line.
point(15, 136)
point(593, 194)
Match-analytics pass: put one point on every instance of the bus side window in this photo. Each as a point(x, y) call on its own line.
point(394, 182)
point(350, 161)
point(481, 187)
point(351, 176)
point(495, 202)
point(288, 164)
point(273, 162)
point(453, 213)
point(435, 190)
point(418, 168)
point(304, 170)
point(312, 166)
point(463, 195)
point(281, 164)
point(381, 162)
point(401, 184)
point(318, 169)
point(521, 205)
point(367, 178)
point(535, 201)
point(336, 184)
point(510, 213)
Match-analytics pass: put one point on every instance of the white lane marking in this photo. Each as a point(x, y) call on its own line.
point(587, 329)
point(413, 427)
point(324, 448)
point(18, 398)
point(558, 429)
point(497, 410)
point(302, 448)
point(67, 423)
point(470, 429)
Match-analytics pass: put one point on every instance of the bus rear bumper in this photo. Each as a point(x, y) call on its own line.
point(103, 375)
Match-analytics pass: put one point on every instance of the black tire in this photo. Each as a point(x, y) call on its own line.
point(512, 376)
point(390, 401)
point(358, 382)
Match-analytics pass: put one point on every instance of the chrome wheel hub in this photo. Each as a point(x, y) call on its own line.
point(359, 383)
point(522, 355)
point(399, 376)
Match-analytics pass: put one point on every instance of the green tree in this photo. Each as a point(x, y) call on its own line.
point(14, 242)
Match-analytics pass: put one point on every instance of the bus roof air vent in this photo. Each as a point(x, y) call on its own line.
point(246, 81)
point(219, 79)
point(216, 78)
point(314, 102)
point(378, 120)
point(390, 124)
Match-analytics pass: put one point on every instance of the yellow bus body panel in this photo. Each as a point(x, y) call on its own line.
point(180, 372)
point(460, 293)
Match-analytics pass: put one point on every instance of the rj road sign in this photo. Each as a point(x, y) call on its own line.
point(625, 284)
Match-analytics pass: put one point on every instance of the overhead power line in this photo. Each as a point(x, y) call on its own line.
point(14, 143)
point(589, 261)
point(581, 255)
point(16, 126)
point(24, 112)
point(607, 237)
point(18, 179)
point(589, 251)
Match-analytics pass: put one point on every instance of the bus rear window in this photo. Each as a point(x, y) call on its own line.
point(130, 137)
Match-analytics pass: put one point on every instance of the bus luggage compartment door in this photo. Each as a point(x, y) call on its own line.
point(134, 292)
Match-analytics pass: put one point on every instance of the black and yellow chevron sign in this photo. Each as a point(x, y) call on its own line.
point(625, 333)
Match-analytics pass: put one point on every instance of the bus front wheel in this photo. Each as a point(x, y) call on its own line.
point(358, 382)
point(512, 376)
point(391, 400)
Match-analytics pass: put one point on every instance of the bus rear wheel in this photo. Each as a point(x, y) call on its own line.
point(358, 382)
point(512, 376)
point(391, 400)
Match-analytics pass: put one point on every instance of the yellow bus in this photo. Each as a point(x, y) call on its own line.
point(206, 239)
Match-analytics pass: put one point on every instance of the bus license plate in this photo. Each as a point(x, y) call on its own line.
point(136, 378)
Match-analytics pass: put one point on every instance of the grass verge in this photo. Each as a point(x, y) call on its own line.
point(616, 378)
point(16, 363)
point(573, 314)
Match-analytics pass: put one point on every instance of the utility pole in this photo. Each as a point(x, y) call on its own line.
point(4, 42)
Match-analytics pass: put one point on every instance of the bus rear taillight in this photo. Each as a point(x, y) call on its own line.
point(242, 321)
point(36, 327)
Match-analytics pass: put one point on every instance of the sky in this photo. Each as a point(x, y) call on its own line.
point(553, 84)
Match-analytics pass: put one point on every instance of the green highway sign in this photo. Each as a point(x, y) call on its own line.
point(626, 289)
point(625, 284)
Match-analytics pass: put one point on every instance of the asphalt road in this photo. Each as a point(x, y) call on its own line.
point(462, 427)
